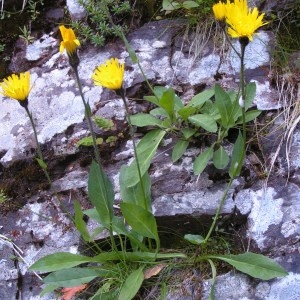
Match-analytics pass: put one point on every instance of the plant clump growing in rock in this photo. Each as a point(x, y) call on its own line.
point(134, 254)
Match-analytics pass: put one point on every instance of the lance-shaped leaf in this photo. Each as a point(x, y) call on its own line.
point(132, 284)
point(202, 160)
point(59, 261)
point(139, 194)
point(179, 149)
point(220, 158)
point(142, 120)
point(146, 150)
point(225, 107)
point(255, 265)
point(205, 121)
point(73, 276)
point(237, 157)
point(101, 193)
point(141, 220)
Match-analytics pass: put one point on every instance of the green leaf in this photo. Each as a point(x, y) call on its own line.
point(103, 123)
point(142, 120)
point(79, 222)
point(199, 99)
point(101, 193)
point(59, 261)
point(249, 116)
point(255, 265)
point(189, 4)
point(129, 49)
point(179, 149)
point(167, 102)
point(141, 220)
point(210, 108)
point(220, 158)
point(48, 289)
point(93, 214)
point(135, 256)
point(250, 94)
point(237, 158)
point(225, 107)
point(88, 141)
point(73, 277)
point(202, 160)
point(146, 150)
point(132, 284)
point(213, 280)
point(41, 163)
point(119, 227)
point(158, 111)
point(204, 121)
point(188, 132)
point(159, 92)
point(194, 238)
point(140, 193)
point(186, 111)
point(152, 99)
point(169, 5)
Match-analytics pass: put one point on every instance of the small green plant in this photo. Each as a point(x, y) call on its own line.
point(96, 28)
point(3, 197)
point(26, 35)
point(2, 47)
point(213, 111)
point(32, 8)
point(132, 244)
point(194, 10)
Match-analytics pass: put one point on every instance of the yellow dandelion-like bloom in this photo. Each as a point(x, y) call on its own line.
point(16, 86)
point(242, 21)
point(219, 10)
point(110, 74)
point(69, 42)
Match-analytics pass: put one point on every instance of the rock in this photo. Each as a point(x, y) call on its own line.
point(269, 215)
point(236, 286)
point(76, 11)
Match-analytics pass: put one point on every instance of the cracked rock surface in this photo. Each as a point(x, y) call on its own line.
point(267, 211)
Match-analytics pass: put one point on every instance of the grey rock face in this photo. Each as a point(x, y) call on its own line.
point(270, 214)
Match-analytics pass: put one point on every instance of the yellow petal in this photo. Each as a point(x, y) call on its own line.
point(110, 74)
point(16, 86)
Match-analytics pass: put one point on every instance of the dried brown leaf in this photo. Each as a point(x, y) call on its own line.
point(153, 271)
point(70, 292)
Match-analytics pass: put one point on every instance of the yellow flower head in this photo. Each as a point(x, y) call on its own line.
point(242, 21)
point(110, 74)
point(219, 11)
point(69, 42)
point(16, 87)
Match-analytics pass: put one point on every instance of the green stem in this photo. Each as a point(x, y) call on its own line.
point(88, 115)
point(215, 219)
point(134, 147)
point(230, 43)
point(243, 89)
point(43, 164)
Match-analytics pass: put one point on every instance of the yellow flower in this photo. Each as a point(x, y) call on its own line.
point(69, 42)
point(219, 10)
point(16, 87)
point(242, 21)
point(110, 74)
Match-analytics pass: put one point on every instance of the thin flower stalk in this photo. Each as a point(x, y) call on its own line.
point(110, 75)
point(71, 43)
point(242, 23)
point(18, 87)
